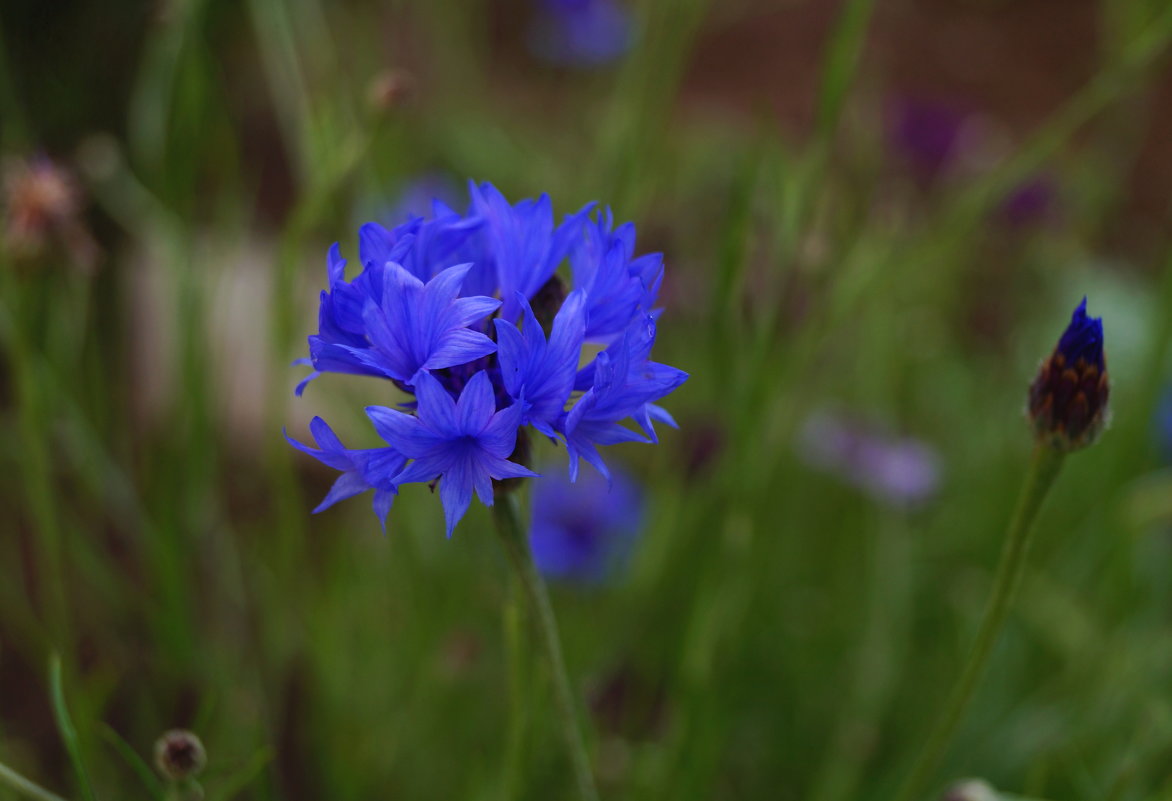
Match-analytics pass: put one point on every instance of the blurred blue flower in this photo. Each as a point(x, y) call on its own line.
point(899, 471)
point(418, 196)
point(1164, 424)
point(584, 531)
point(442, 310)
point(1068, 398)
point(581, 33)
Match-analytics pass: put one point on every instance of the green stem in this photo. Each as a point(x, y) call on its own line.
point(1044, 467)
point(516, 544)
point(518, 688)
point(13, 780)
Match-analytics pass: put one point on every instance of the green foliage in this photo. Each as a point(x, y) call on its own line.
point(779, 635)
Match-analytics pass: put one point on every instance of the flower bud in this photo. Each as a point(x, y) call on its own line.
point(1068, 399)
point(179, 755)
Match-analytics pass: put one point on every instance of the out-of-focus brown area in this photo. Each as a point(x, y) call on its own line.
point(1013, 63)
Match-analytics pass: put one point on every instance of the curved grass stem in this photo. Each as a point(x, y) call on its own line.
point(1044, 467)
point(23, 787)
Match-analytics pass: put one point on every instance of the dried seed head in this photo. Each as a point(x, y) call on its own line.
point(179, 755)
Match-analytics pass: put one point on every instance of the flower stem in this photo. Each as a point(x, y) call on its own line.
point(518, 694)
point(22, 786)
point(516, 544)
point(1044, 467)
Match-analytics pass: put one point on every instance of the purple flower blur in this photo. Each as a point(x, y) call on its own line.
point(580, 33)
point(584, 531)
point(1031, 203)
point(898, 471)
point(926, 137)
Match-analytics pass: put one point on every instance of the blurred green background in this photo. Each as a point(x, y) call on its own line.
point(780, 633)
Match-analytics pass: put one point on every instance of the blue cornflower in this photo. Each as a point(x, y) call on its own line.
point(412, 327)
point(537, 374)
point(624, 385)
point(444, 310)
point(581, 33)
point(583, 531)
point(1068, 399)
point(615, 281)
point(466, 443)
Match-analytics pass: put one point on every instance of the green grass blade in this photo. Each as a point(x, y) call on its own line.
point(68, 732)
point(245, 775)
point(131, 757)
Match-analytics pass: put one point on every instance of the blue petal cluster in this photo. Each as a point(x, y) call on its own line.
point(444, 309)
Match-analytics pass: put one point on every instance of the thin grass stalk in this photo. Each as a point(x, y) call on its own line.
point(1044, 468)
point(23, 787)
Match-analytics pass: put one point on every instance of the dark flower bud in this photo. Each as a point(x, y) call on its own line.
point(1068, 399)
point(179, 755)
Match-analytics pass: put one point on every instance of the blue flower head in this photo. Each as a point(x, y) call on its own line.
point(443, 309)
point(1068, 398)
point(584, 531)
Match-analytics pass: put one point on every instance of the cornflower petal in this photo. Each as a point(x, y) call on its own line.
point(499, 437)
point(361, 469)
point(428, 468)
point(436, 409)
point(404, 432)
point(476, 406)
point(538, 374)
point(347, 486)
point(456, 491)
point(459, 346)
point(417, 314)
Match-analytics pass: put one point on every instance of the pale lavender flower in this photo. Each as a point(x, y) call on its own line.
point(899, 471)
